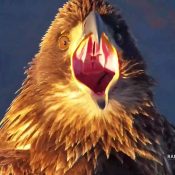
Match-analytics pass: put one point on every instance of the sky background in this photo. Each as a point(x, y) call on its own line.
point(24, 22)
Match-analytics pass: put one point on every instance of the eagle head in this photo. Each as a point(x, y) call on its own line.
point(89, 48)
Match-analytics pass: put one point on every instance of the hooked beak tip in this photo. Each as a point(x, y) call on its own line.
point(101, 103)
point(101, 100)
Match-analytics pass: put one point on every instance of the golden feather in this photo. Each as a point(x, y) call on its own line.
point(55, 128)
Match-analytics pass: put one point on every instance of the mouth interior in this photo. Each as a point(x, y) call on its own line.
point(95, 64)
point(97, 82)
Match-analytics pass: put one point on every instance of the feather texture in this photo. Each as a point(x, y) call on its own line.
point(52, 127)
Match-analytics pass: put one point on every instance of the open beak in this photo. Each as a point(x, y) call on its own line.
point(95, 61)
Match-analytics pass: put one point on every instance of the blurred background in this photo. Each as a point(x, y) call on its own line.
point(152, 22)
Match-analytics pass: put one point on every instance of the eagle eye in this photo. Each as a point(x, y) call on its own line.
point(119, 38)
point(63, 42)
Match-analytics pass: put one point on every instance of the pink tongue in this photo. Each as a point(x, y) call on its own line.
point(94, 65)
point(97, 82)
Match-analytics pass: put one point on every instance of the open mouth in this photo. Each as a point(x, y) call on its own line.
point(95, 64)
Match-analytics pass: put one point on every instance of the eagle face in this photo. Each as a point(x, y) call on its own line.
point(89, 47)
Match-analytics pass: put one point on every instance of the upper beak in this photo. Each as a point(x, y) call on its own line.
point(94, 24)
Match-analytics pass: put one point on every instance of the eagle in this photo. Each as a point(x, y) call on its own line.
point(86, 106)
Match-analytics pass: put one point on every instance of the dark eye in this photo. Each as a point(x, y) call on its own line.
point(119, 38)
point(63, 42)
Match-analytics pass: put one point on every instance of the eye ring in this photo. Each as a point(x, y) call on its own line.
point(63, 42)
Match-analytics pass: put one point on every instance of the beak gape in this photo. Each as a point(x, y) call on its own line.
point(95, 61)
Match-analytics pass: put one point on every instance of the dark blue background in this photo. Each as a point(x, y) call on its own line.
point(24, 22)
